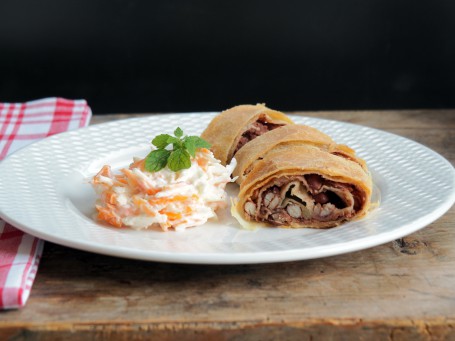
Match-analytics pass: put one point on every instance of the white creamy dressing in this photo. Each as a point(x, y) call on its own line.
point(204, 185)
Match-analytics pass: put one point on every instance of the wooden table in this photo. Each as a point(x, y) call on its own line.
point(404, 290)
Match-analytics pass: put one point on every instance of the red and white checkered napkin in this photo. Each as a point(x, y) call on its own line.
point(20, 125)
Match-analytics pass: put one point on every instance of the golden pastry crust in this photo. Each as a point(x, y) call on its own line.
point(226, 129)
point(282, 138)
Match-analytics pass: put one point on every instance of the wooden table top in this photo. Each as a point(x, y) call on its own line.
point(403, 290)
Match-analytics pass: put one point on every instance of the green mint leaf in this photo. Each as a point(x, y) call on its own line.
point(178, 132)
point(176, 142)
point(183, 148)
point(198, 142)
point(178, 160)
point(160, 141)
point(157, 160)
point(190, 146)
point(173, 140)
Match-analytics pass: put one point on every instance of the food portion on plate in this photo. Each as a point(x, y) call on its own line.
point(291, 175)
point(304, 186)
point(232, 129)
point(179, 184)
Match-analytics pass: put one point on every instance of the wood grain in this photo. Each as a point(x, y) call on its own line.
point(404, 290)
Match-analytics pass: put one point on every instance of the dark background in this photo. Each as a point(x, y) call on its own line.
point(149, 56)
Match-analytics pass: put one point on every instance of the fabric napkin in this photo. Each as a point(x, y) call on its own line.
point(20, 125)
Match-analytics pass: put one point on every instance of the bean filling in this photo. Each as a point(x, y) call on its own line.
point(303, 198)
point(256, 129)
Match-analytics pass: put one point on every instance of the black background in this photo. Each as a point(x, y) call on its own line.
point(150, 56)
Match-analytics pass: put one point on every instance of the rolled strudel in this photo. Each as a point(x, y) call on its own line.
point(229, 131)
point(289, 175)
point(304, 186)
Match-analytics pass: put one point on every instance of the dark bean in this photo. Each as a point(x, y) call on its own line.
point(321, 198)
point(336, 200)
point(314, 181)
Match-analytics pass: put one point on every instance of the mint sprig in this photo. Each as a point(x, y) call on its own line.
point(176, 158)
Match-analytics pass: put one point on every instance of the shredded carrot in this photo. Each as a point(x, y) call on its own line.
point(172, 215)
point(177, 198)
point(136, 200)
point(121, 179)
point(110, 197)
point(130, 177)
point(202, 162)
point(158, 201)
point(144, 206)
point(152, 191)
point(137, 183)
point(108, 216)
point(138, 164)
point(105, 171)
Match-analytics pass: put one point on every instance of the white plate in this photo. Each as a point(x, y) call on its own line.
point(44, 192)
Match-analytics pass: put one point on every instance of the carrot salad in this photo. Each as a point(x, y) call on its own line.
point(139, 199)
